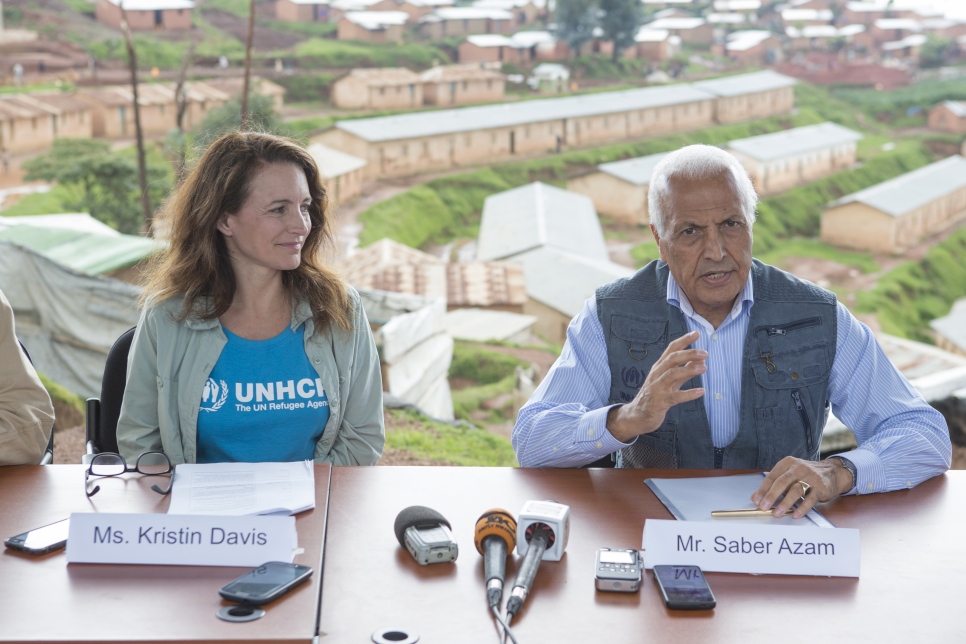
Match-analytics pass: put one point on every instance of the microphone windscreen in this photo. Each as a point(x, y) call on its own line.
point(496, 522)
point(417, 516)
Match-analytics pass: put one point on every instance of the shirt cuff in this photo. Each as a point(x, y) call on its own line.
point(870, 475)
point(592, 429)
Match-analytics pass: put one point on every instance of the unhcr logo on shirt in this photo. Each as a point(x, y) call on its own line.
point(266, 396)
point(214, 395)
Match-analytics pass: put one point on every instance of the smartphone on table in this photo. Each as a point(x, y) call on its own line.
point(42, 540)
point(265, 583)
point(684, 587)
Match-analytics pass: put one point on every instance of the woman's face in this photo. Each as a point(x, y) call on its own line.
point(268, 231)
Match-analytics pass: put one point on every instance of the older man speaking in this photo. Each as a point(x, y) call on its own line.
point(711, 359)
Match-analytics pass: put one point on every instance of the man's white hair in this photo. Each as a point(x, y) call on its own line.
point(697, 162)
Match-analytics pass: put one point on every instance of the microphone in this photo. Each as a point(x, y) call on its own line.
point(425, 533)
point(545, 527)
point(495, 536)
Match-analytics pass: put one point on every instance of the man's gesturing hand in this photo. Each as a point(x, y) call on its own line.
point(826, 480)
point(661, 391)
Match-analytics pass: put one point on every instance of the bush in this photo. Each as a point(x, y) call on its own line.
point(306, 87)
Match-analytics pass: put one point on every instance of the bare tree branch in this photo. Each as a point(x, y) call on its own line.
point(181, 104)
point(245, 116)
point(142, 164)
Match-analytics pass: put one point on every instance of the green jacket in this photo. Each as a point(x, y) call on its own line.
point(170, 362)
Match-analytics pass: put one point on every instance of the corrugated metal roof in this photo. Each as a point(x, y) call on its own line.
point(797, 15)
point(646, 34)
point(376, 19)
point(334, 163)
point(745, 40)
point(676, 23)
point(452, 73)
point(489, 40)
point(956, 107)
point(915, 40)
point(77, 221)
point(384, 75)
point(482, 325)
point(737, 5)
point(789, 143)
point(909, 191)
point(538, 215)
point(563, 280)
point(637, 171)
point(953, 326)
point(467, 119)
point(153, 5)
point(87, 252)
point(746, 83)
point(469, 13)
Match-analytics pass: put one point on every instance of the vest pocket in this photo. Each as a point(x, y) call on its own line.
point(792, 367)
point(770, 426)
point(656, 449)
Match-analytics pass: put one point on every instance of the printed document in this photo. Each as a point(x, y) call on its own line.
point(695, 499)
point(243, 488)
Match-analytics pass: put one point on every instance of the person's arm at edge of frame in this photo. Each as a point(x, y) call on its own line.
point(26, 413)
point(564, 424)
point(897, 448)
point(138, 426)
point(362, 435)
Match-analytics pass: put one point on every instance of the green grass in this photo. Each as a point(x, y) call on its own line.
point(465, 446)
point(645, 252)
point(494, 371)
point(59, 393)
point(315, 29)
point(58, 85)
point(151, 51)
point(800, 247)
point(906, 298)
point(466, 401)
point(41, 203)
point(236, 7)
point(343, 53)
point(894, 104)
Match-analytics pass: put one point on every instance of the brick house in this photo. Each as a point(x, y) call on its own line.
point(461, 85)
point(146, 15)
point(382, 88)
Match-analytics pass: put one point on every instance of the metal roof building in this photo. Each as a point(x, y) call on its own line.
point(94, 253)
point(537, 215)
point(909, 191)
point(794, 142)
point(746, 83)
point(635, 171)
point(405, 126)
point(952, 328)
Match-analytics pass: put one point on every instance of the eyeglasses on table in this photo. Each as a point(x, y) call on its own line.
point(153, 463)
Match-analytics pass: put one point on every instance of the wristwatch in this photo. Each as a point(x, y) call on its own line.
point(850, 466)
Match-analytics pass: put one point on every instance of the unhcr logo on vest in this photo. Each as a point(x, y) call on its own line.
point(214, 395)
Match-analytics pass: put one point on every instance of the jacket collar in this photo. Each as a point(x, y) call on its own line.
point(301, 311)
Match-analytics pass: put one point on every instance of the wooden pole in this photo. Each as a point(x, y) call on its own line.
point(245, 116)
point(181, 104)
point(142, 164)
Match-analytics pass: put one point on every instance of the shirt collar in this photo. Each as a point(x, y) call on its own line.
point(678, 298)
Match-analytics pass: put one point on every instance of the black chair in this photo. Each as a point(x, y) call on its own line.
point(103, 412)
point(48, 457)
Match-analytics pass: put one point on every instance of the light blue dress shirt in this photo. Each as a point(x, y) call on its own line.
point(902, 441)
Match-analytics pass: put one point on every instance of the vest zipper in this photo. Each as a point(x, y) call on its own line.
point(806, 424)
point(774, 330)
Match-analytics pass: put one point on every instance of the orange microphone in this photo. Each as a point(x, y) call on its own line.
point(495, 536)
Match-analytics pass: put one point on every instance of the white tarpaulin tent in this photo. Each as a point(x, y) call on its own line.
point(67, 320)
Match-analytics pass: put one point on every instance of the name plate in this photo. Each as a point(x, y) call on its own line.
point(728, 546)
point(180, 540)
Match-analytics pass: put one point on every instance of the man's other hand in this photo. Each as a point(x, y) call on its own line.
point(661, 391)
point(826, 480)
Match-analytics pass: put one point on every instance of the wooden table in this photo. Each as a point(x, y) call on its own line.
point(911, 588)
point(44, 599)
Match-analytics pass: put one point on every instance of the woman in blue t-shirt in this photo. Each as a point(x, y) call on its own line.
point(249, 348)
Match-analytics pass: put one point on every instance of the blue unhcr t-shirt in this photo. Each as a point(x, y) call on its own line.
point(263, 402)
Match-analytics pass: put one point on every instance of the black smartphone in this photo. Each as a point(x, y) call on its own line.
point(265, 583)
point(40, 541)
point(684, 587)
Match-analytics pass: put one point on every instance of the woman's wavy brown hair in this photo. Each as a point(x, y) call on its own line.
point(197, 265)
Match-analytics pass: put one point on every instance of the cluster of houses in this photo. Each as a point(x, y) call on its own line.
point(407, 144)
point(400, 88)
point(30, 122)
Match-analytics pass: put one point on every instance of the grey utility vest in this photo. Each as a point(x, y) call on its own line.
point(787, 357)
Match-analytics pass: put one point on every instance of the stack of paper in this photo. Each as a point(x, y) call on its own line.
point(243, 488)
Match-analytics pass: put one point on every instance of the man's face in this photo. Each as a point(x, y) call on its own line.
point(707, 244)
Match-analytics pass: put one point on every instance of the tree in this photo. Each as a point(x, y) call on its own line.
point(576, 20)
point(620, 21)
point(935, 51)
point(100, 182)
point(228, 118)
point(132, 59)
